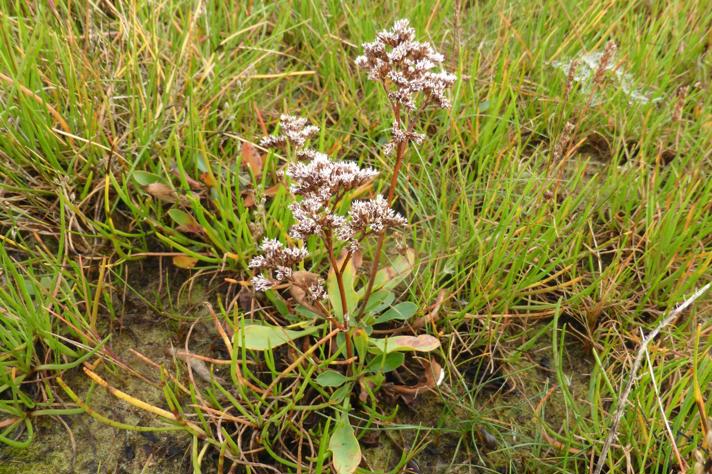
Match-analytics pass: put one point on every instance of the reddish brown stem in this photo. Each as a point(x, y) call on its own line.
point(400, 154)
point(342, 295)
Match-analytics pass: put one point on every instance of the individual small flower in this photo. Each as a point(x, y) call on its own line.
point(406, 66)
point(294, 130)
point(373, 215)
point(260, 283)
point(399, 136)
point(282, 273)
point(323, 179)
point(277, 259)
point(316, 291)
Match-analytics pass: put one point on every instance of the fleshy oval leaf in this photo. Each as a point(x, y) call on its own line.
point(422, 343)
point(144, 178)
point(331, 378)
point(258, 337)
point(400, 267)
point(379, 300)
point(332, 287)
point(384, 363)
point(344, 447)
point(402, 312)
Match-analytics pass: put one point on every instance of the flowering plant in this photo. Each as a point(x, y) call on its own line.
point(355, 307)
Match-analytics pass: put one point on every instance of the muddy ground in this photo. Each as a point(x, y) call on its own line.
point(494, 438)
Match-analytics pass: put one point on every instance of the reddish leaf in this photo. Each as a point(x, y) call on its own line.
point(251, 158)
point(194, 184)
point(208, 179)
point(193, 228)
point(272, 190)
point(248, 199)
point(422, 343)
point(162, 192)
point(434, 374)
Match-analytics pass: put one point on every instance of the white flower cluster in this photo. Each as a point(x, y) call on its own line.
point(321, 183)
point(323, 179)
point(374, 215)
point(313, 218)
point(398, 136)
point(406, 66)
point(278, 259)
point(295, 130)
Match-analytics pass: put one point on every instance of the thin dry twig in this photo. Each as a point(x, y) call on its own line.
point(636, 365)
point(680, 461)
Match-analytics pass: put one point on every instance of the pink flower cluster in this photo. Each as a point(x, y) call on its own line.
point(278, 259)
point(406, 67)
point(321, 183)
point(323, 179)
point(295, 130)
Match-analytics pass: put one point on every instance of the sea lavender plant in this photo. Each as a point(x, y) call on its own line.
point(411, 75)
point(337, 229)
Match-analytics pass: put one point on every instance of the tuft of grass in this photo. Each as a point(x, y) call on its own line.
point(43, 333)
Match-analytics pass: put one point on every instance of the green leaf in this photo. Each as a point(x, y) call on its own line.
point(386, 362)
point(186, 222)
point(401, 311)
point(332, 286)
point(341, 393)
point(331, 378)
point(401, 266)
point(259, 337)
point(305, 313)
point(278, 302)
point(422, 343)
point(181, 217)
point(144, 178)
point(379, 301)
point(344, 446)
point(360, 339)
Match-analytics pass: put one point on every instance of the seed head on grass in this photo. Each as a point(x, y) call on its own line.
point(680, 103)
